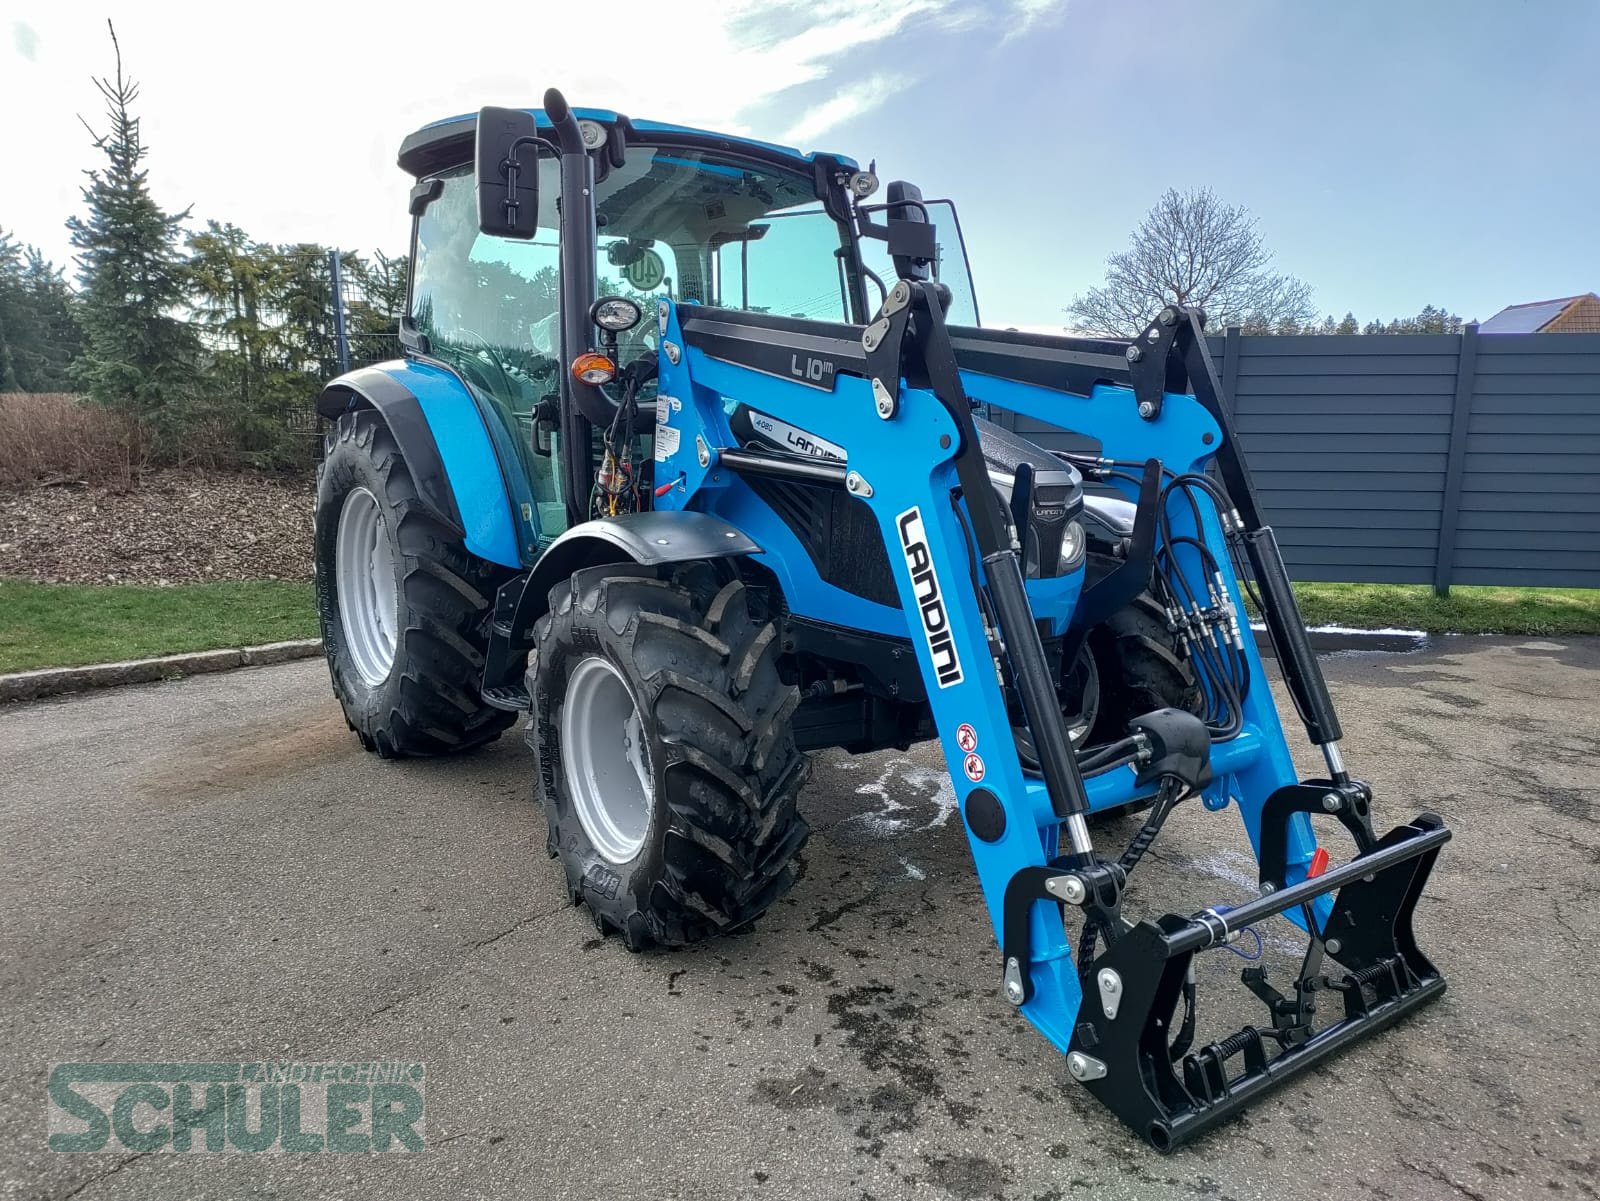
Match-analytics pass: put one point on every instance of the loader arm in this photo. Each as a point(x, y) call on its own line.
point(899, 407)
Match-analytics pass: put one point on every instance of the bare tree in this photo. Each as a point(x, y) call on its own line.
point(1192, 249)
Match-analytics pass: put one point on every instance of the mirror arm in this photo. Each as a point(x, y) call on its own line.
point(527, 140)
point(868, 228)
point(511, 169)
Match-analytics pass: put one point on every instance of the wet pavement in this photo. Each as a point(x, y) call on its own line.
point(212, 870)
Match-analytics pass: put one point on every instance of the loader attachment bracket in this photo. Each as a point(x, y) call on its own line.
point(1152, 368)
point(1096, 889)
point(1350, 802)
point(1366, 954)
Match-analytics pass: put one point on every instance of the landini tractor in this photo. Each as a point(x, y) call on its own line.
point(687, 458)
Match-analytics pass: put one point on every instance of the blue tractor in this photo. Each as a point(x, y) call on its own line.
point(686, 459)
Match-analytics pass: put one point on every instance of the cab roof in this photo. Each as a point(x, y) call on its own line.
point(449, 143)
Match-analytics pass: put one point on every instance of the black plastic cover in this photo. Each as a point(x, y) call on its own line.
point(1180, 747)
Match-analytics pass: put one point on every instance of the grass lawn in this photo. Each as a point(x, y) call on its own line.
point(1465, 611)
point(61, 625)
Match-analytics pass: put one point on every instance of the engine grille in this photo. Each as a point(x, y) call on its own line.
point(839, 534)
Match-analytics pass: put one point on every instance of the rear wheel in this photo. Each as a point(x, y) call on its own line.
point(666, 764)
point(404, 606)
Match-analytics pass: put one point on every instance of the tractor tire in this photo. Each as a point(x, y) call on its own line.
point(667, 767)
point(405, 647)
point(1141, 668)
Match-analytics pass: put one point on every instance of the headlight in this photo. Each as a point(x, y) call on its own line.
point(1073, 544)
point(615, 314)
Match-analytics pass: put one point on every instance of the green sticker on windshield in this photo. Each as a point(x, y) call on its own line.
point(645, 272)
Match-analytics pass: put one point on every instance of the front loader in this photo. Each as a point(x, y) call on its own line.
point(694, 457)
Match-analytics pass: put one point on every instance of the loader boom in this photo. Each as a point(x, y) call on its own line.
point(1032, 850)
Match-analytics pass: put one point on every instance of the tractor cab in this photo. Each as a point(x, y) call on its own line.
point(679, 213)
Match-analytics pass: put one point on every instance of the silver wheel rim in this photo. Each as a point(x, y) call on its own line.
point(364, 578)
point(1089, 703)
point(606, 759)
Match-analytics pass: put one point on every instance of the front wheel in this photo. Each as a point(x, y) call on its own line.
point(667, 767)
point(404, 606)
point(1141, 666)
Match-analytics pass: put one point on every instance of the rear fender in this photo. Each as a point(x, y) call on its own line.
point(447, 449)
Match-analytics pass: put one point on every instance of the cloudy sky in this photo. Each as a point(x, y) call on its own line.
point(1396, 153)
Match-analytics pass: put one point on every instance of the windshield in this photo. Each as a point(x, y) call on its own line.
point(727, 232)
point(950, 268)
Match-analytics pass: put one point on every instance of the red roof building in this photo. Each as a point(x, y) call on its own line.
point(1566, 315)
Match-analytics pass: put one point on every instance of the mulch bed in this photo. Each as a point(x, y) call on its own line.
point(176, 527)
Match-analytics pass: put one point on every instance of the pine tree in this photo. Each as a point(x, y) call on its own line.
point(1349, 325)
point(140, 357)
point(379, 287)
point(11, 301)
point(228, 276)
point(302, 299)
point(255, 317)
point(1435, 320)
point(39, 334)
point(375, 299)
point(52, 319)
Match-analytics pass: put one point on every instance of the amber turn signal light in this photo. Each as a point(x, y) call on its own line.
point(592, 367)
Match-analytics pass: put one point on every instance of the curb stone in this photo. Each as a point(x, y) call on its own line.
point(53, 681)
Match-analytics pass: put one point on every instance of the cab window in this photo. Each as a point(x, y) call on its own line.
point(490, 308)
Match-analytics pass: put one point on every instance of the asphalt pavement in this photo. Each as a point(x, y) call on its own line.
point(212, 870)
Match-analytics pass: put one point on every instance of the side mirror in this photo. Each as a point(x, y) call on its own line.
point(507, 172)
point(912, 243)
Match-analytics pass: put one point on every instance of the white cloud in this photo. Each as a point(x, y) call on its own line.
point(842, 106)
point(1025, 14)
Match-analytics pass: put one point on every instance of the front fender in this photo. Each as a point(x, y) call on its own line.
point(447, 449)
point(648, 539)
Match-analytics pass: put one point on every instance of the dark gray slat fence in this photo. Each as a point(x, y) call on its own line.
point(1419, 458)
point(1547, 455)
